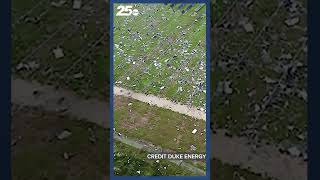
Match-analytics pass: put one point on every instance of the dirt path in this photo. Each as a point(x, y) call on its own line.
point(236, 151)
point(265, 160)
point(161, 102)
point(23, 93)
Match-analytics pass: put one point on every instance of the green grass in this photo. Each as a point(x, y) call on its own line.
point(145, 122)
point(152, 81)
point(128, 161)
point(278, 39)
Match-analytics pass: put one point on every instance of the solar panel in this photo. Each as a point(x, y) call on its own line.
point(180, 6)
point(199, 7)
point(187, 9)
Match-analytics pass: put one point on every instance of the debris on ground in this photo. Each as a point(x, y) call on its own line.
point(58, 4)
point(58, 53)
point(66, 156)
point(77, 4)
point(64, 134)
point(248, 27)
point(227, 88)
point(32, 65)
point(292, 21)
point(193, 148)
point(303, 94)
point(78, 76)
point(294, 151)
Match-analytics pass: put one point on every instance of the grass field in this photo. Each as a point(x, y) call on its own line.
point(39, 28)
point(266, 68)
point(162, 52)
point(159, 126)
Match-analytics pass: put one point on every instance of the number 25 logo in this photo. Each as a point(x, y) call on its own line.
point(126, 11)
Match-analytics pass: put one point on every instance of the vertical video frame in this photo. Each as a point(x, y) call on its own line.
point(159, 89)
